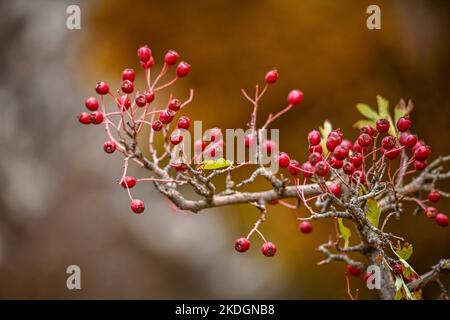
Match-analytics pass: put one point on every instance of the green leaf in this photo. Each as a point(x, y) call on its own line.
point(405, 251)
point(401, 290)
point(215, 164)
point(373, 212)
point(407, 270)
point(325, 131)
point(383, 107)
point(367, 111)
point(361, 123)
point(344, 232)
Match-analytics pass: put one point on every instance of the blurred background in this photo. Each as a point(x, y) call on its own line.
point(59, 204)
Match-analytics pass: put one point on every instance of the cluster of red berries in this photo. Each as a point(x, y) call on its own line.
point(140, 100)
point(243, 244)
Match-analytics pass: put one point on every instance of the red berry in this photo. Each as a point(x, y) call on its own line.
point(422, 153)
point(359, 177)
point(295, 97)
point(96, 117)
point(442, 220)
point(335, 189)
point(409, 140)
point(367, 276)
point(434, 196)
point(166, 116)
point(128, 74)
point(171, 57)
point(215, 134)
point(294, 167)
point(249, 140)
point(102, 88)
point(368, 130)
point(307, 169)
point(109, 146)
point(176, 137)
point(268, 249)
point(392, 154)
point(128, 181)
point(305, 227)
point(335, 163)
point(317, 148)
point(348, 168)
point(354, 271)
point(183, 69)
point(347, 144)
point(157, 125)
point(332, 142)
point(269, 146)
point(314, 137)
point(314, 158)
point(127, 86)
point(271, 76)
point(241, 244)
point(336, 134)
point(148, 64)
point(340, 152)
point(124, 102)
point(388, 142)
point(184, 122)
point(144, 53)
point(149, 95)
point(431, 212)
point(403, 124)
point(174, 105)
point(283, 160)
point(356, 159)
point(199, 145)
point(364, 140)
point(91, 103)
point(137, 206)
point(84, 118)
point(179, 166)
point(397, 268)
point(140, 100)
point(382, 125)
point(358, 148)
point(322, 169)
point(420, 165)
point(418, 144)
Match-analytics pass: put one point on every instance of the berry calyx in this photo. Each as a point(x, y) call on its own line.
point(322, 169)
point(431, 212)
point(96, 117)
point(144, 53)
point(434, 196)
point(295, 97)
point(128, 181)
point(149, 95)
point(241, 244)
point(157, 125)
point(174, 105)
point(137, 206)
point(382, 125)
point(184, 122)
point(271, 76)
point(388, 142)
point(314, 137)
point(183, 69)
point(128, 74)
point(84, 118)
point(171, 57)
point(91, 103)
point(283, 160)
point(354, 271)
point(140, 100)
point(294, 167)
point(403, 124)
point(102, 88)
point(268, 249)
point(127, 86)
point(109, 146)
point(305, 227)
point(335, 189)
point(442, 220)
